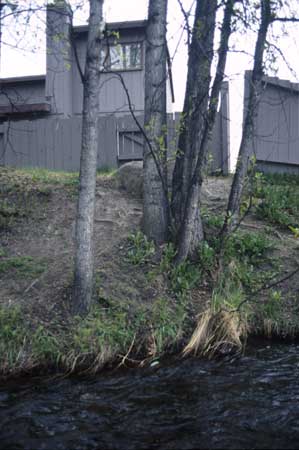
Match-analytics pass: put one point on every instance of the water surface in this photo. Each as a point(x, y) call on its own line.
point(246, 403)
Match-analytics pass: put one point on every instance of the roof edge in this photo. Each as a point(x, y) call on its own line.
point(115, 26)
point(27, 78)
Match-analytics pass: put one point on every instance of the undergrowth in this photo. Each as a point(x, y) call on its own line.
point(278, 199)
point(24, 266)
point(231, 279)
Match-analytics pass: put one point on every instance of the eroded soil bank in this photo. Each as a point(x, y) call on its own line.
point(144, 307)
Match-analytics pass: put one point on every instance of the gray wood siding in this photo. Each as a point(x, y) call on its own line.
point(22, 93)
point(112, 95)
point(59, 60)
point(276, 128)
point(55, 143)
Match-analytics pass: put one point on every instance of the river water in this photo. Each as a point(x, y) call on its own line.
point(243, 403)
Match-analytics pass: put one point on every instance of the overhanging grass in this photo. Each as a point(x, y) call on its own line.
point(106, 336)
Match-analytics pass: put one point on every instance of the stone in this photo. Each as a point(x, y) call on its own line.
point(130, 178)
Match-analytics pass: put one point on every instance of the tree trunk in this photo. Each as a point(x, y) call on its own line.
point(255, 89)
point(191, 228)
point(83, 276)
point(155, 197)
point(195, 106)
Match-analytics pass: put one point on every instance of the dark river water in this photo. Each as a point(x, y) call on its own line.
point(250, 402)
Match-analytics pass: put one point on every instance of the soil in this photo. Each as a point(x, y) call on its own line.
point(45, 233)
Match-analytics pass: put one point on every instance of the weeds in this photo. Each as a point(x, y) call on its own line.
point(45, 346)
point(141, 249)
point(252, 246)
point(168, 321)
point(216, 333)
point(278, 199)
point(106, 172)
point(184, 277)
point(38, 176)
point(13, 337)
point(9, 212)
point(24, 266)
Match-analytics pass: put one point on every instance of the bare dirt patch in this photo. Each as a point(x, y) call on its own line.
point(45, 235)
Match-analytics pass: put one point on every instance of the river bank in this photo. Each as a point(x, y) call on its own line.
point(144, 306)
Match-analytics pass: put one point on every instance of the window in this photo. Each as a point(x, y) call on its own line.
point(121, 57)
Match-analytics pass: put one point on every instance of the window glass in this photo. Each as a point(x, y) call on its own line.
point(121, 57)
point(105, 60)
point(116, 57)
point(133, 56)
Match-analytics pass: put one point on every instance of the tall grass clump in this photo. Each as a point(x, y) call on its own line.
point(13, 340)
point(224, 325)
point(278, 199)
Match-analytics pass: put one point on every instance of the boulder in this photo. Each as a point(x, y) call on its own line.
point(130, 178)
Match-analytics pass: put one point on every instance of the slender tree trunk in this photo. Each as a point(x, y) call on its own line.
point(255, 90)
point(195, 105)
point(155, 207)
point(189, 236)
point(83, 276)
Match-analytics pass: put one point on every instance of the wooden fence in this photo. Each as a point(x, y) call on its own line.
point(54, 142)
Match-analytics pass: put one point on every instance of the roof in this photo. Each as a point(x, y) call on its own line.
point(25, 109)
point(277, 82)
point(115, 26)
point(26, 79)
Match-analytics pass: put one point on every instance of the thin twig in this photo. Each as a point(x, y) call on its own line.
point(266, 287)
point(125, 357)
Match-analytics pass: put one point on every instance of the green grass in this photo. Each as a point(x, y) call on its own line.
point(106, 172)
point(106, 336)
point(140, 250)
point(23, 266)
point(41, 180)
point(43, 176)
point(12, 338)
point(57, 177)
point(278, 199)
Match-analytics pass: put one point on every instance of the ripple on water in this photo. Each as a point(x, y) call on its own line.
point(251, 402)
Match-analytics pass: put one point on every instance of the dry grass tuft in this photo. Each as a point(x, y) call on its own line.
point(216, 332)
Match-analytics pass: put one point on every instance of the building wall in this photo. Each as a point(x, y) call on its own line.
point(112, 95)
point(275, 140)
point(59, 60)
point(55, 143)
point(22, 92)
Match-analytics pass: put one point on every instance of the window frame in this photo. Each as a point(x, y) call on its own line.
point(124, 68)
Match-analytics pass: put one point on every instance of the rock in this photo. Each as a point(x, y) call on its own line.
point(130, 178)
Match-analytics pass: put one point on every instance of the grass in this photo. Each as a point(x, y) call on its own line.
point(33, 178)
point(278, 199)
point(12, 339)
point(216, 332)
point(245, 267)
point(221, 326)
point(24, 192)
point(106, 172)
point(141, 250)
point(23, 266)
point(133, 332)
point(118, 334)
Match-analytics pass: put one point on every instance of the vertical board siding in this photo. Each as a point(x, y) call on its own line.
point(55, 143)
point(275, 140)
